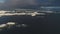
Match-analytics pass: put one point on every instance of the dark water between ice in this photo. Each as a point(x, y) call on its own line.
point(48, 25)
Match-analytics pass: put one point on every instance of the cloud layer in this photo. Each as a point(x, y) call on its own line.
point(22, 3)
point(26, 3)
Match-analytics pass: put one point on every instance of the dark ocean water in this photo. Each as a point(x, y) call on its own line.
point(36, 25)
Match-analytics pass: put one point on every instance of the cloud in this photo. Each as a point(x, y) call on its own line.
point(26, 3)
point(20, 3)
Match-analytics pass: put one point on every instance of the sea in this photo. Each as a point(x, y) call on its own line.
point(49, 24)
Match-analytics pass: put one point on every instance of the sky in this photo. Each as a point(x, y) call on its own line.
point(28, 3)
point(1, 1)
